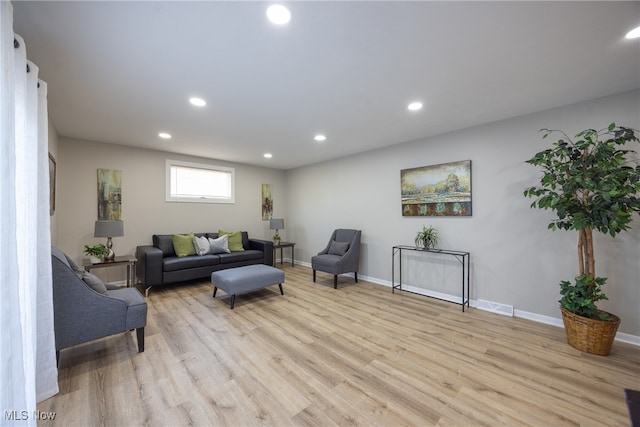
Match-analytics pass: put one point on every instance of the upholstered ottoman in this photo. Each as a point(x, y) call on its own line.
point(240, 280)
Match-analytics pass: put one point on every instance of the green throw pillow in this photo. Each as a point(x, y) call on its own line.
point(235, 240)
point(183, 244)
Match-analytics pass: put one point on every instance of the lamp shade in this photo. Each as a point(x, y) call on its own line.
point(109, 229)
point(276, 224)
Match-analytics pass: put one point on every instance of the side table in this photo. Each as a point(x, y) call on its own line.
point(126, 260)
point(280, 246)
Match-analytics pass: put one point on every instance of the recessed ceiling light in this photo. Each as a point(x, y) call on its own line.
point(633, 34)
point(320, 138)
point(268, 155)
point(278, 14)
point(415, 106)
point(164, 135)
point(198, 102)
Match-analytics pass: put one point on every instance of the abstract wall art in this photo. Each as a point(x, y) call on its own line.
point(267, 202)
point(109, 195)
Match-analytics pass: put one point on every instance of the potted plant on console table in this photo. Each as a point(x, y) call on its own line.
point(591, 184)
point(427, 238)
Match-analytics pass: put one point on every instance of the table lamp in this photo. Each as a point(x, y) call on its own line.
point(109, 229)
point(276, 224)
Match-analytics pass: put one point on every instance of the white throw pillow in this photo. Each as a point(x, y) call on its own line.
point(201, 244)
point(219, 245)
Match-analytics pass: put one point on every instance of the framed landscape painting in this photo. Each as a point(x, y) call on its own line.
point(438, 190)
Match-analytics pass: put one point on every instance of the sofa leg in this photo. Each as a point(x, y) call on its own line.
point(314, 276)
point(140, 335)
point(356, 274)
point(335, 281)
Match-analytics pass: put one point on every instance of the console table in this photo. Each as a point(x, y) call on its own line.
point(463, 257)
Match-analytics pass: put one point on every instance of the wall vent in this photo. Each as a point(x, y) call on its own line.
point(495, 307)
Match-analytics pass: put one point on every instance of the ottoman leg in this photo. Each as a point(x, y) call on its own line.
point(215, 289)
point(280, 286)
point(140, 335)
point(232, 302)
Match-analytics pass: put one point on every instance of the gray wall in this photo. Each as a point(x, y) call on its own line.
point(515, 260)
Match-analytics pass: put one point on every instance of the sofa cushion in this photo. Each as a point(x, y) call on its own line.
point(202, 245)
point(235, 240)
point(219, 245)
point(192, 261)
point(247, 255)
point(245, 240)
point(164, 242)
point(183, 244)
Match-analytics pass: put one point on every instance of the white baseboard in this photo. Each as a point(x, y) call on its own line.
point(121, 283)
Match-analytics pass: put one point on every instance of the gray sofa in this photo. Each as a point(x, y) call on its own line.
point(158, 264)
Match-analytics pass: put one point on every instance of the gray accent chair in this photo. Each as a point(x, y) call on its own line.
point(84, 310)
point(341, 255)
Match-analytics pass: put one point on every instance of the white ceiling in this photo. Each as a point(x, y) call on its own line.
point(120, 72)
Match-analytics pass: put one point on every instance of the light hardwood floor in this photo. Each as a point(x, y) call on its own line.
point(358, 355)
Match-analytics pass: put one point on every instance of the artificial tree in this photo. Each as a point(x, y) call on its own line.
point(592, 184)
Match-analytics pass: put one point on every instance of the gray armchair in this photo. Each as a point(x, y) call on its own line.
point(85, 309)
point(342, 255)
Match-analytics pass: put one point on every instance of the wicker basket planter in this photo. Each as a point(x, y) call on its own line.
point(592, 336)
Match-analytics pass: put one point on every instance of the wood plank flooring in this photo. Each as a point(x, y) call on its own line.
point(358, 355)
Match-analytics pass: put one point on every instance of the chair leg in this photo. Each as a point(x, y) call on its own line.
point(335, 281)
point(314, 276)
point(140, 335)
point(356, 274)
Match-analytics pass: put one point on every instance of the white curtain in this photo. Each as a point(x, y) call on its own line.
point(28, 372)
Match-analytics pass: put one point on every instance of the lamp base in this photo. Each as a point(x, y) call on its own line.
point(110, 256)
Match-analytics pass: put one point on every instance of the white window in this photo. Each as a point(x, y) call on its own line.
point(199, 183)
